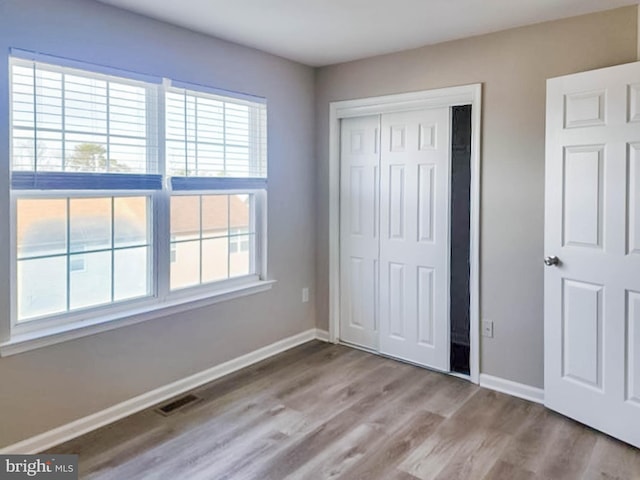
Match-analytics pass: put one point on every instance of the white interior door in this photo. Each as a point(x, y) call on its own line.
point(414, 236)
point(592, 240)
point(359, 253)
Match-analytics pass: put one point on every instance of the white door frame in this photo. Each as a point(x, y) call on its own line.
point(442, 97)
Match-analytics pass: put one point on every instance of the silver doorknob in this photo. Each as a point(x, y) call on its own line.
point(551, 261)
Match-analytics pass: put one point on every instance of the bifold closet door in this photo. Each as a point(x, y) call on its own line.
point(359, 187)
point(414, 236)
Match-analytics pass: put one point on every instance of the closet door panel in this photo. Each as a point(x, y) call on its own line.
point(414, 243)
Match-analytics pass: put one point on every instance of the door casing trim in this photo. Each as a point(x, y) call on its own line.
point(441, 97)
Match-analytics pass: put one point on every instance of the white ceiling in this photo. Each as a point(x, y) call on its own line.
point(322, 32)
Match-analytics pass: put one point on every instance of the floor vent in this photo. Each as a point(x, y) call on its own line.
point(177, 404)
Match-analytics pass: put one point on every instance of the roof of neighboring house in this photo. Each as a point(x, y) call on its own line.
point(215, 211)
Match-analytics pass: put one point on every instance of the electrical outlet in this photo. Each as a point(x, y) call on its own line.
point(487, 328)
point(305, 295)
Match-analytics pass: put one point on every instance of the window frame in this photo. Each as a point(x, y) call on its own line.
point(48, 329)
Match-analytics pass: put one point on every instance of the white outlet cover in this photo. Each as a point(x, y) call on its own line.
point(487, 328)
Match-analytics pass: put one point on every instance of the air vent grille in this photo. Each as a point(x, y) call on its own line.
point(177, 404)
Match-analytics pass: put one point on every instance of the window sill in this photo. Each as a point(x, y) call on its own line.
point(45, 337)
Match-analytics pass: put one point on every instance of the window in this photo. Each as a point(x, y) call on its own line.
point(129, 193)
point(217, 147)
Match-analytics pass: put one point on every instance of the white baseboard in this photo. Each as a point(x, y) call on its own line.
point(92, 422)
point(322, 335)
point(520, 390)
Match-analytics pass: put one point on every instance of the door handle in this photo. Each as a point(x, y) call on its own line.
point(551, 261)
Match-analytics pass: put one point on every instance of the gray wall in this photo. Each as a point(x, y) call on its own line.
point(45, 388)
point(512, 66)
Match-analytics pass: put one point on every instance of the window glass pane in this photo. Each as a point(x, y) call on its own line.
point(22, 108)
point(192, 160)
point(237, 124)
point(126, 155)
point(238, 162)
point(22, 150)
point(210, 120)
point(240, 212)
point(47, 151)
point(130, 221)
point(130, 276)
point(240, 259)
point(238, 242)
point(48, 99)
point(42, 287)
point(90, 224)
point(86, 154)
point(128, 110)
point(176, 158)
point(185, 271)
point(210, 160)
point(90, 286)
point(86, 104)
point(77, 263)
point(98, 274)
point(41, 227)
point(185, 217)
point(227, 246)
point(215, 216)
point(215, 257)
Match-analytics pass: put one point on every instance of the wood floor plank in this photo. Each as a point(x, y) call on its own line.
point(476, 462)
point(613, 460)
point(393, 448)
point(569, 452)
point(483, 410)
point(431, 458)
point(323, 411)
point(506, 471)
point(449, 394)
point(333, 461)
point(462, 434)
point(532, 441)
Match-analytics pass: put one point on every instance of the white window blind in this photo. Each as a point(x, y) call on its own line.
point(211, 137)
point(67, 123)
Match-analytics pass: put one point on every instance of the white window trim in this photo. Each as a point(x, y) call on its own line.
point(161, 301)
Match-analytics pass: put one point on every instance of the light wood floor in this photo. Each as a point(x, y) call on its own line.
point(325, 411)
